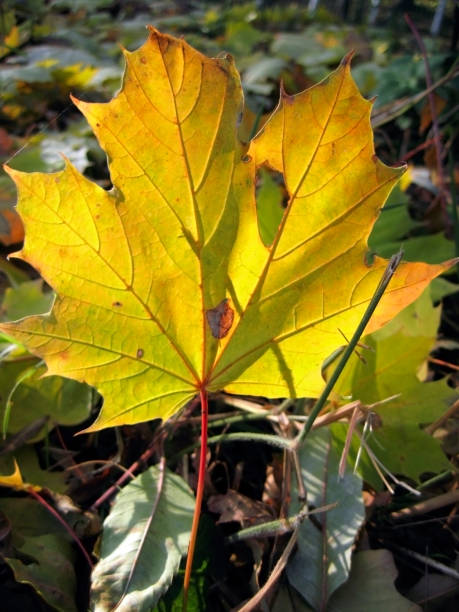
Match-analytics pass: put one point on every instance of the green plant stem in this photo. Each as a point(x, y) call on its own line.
point(238, 418)
point(199, 495)
point(248, 436)
point(244, 436)
point(436, 480)
point(386, 277)
point(277, 527)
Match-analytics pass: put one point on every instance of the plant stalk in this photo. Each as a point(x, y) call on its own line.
point(433, 112)
point(199, 494)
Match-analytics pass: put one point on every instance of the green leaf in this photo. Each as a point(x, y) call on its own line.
point(269, 207)
point(289, 600)
point(30, 470)
point(261, 76)
point(371, 586)
point(40, 553)
point(28, 396)
point(432, 248)
point(395, 228)
point(323, 558)
point(440, 288)
point(397, 352)
point(142, 543)
point(25, 299)
point(394, 222)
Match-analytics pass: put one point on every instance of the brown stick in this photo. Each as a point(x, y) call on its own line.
point(273, 577)
point(444, 417)
point(444, 363)
point(433, 112)
point(428, 505)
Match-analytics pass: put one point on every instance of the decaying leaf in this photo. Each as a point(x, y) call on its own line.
point(137, 270)
point(11, 230)
point(233, 506)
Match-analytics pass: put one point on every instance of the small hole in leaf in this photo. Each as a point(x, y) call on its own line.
point(272, 198)
point(246, 159)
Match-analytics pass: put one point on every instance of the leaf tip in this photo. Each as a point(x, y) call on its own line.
point(78, 103)
point(152, 31)
point(284, 96)
point(347, 59)
point(17, 255)
point(158, 38)
point(12, 173)
point(91, 429)
point(399, 165)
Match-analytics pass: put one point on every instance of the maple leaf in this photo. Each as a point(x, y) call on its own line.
point(164, 286)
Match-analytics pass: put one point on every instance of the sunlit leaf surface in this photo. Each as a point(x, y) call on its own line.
point(138, 269)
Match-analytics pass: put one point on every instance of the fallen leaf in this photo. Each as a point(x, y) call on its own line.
point(12, 230)
point(426, 112)
point(137, 269)
point(233, 506)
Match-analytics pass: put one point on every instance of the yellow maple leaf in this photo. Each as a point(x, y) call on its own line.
point(164, 285)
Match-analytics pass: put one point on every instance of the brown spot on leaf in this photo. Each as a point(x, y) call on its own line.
point(220, 319)
point(117, 304)
point(143, 60)
point(163, 43)
point(139, 353)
